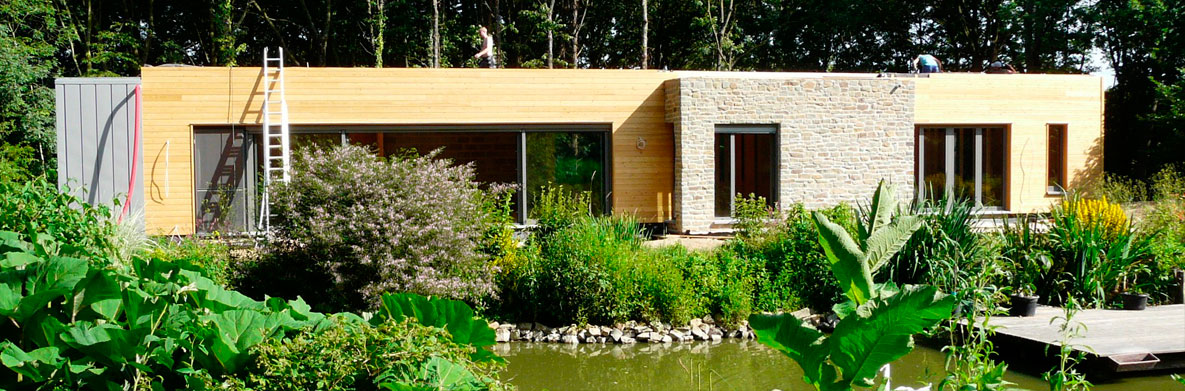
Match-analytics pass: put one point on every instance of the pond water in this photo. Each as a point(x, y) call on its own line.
point(726, 365)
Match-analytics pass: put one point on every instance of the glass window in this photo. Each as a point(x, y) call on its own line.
point(933, 162)
point(575, 160)
point(224, 179)
point(968, 162)
point(745, 165)
point(1056, 178)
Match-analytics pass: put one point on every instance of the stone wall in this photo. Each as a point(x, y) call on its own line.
point(837, 137)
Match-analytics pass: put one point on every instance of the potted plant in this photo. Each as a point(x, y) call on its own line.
point(1133, 296)
point(1023, 297)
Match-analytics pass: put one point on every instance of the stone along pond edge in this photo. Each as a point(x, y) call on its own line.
point(702, 329)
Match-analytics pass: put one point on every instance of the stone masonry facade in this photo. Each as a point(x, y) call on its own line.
point(837, 137)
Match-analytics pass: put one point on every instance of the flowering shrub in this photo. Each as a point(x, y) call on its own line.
point(407, 224)
point(1099, 214)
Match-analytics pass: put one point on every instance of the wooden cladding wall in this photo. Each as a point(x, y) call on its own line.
point(1024, 104)
point(176, 99)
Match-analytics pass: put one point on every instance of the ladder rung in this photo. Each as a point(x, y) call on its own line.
point(275, 157)
point(271, 58)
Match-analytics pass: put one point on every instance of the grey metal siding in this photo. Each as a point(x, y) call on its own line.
point(96, 137)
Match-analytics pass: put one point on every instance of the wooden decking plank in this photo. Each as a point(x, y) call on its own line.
point(1158, 330)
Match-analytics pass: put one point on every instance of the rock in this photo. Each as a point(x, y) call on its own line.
point(570, 339)
point(708, 319)
point(590, 340)
point(615, 334)
point(526, 326)
point(627, 340)
point(602, 339)
point(802, 313)
point(676, 334)
point(715, 331)
point(695, 323)
point(699, 334)
point(666, 339)
point(594, 331)
point(582, 334)
point(645, 336)
point(735, 334)
point(553, 338)
point(715, 337)
point(502, 335)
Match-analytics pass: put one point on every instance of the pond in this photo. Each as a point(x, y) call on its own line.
point(726, 365)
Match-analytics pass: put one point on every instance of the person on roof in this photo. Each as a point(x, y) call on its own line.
point(486, 55)
point(929, 64)
point(1000, 67)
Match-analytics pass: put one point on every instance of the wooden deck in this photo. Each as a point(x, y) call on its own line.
point(1119, 340)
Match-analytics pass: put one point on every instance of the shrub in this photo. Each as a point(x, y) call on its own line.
point(349, 355)
point(1168, 183)
point(1094, 249)
point(411, 223)
point(210, 257)
point(16, 163)
point(944, 251)
point(788, 266)
point(1120, 189)
point(556, 206)
point(37, 207)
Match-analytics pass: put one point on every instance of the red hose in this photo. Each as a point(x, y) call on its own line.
point(135, 153)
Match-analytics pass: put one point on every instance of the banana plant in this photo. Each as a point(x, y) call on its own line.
point(877, 323)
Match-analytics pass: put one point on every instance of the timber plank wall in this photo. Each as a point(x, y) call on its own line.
point(1025, 104)
point(630, 101)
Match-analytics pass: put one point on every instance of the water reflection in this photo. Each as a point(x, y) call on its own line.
point(724, 365)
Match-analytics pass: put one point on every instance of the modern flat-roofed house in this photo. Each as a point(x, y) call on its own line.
point(668, 147)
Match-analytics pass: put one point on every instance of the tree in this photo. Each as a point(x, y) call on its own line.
point(31, 32)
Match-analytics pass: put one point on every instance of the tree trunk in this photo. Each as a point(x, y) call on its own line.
point(550, 35)
point(436, 33)
point(577, 23)
point(377, 27)
point(645, 35)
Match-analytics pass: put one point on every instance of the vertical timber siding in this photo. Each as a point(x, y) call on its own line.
point(176, 99)
point(95, 137)
point(1025, 104)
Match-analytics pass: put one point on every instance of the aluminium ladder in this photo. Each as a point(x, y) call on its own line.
point(276, 153)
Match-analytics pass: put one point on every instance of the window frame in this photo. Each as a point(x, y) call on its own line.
point(775, 159)
point(343, 130)
point(1064, 149)
point(949, 149)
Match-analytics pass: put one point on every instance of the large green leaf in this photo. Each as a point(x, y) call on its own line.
point(44, 282)
point(846, 259)
point(886, 241)
point(236, 331)
point(881, 330)
point(37, 365)
point(803, 344)
point(216, 298)
point(106, 342)
point(881, 212)
point(102, 294)
point(452, 315)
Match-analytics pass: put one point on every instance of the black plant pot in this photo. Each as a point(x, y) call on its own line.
point(1023, 305)
point(1134, 301)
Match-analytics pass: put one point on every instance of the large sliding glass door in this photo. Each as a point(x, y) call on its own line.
point(967, 162)
point(530, 157)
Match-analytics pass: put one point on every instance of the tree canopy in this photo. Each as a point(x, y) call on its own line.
point(1142, 40)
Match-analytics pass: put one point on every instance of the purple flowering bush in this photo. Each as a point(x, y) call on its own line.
point(374, 225)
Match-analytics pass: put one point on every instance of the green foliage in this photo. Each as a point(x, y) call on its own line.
point(1120, 189)
point(1179, 379)
point(16, 163)
point(880, 237)
point(36, 207)
point(875, 333)
point(555, 207)
point(348, 355)
point(211, 257)
point(451, 315)
point(1064, 377)
point(1089, 259)
point(753, 217)
point(405, 224)
point(969, 352)
point(877, 324)
point(941, 249)
point(787, 263)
